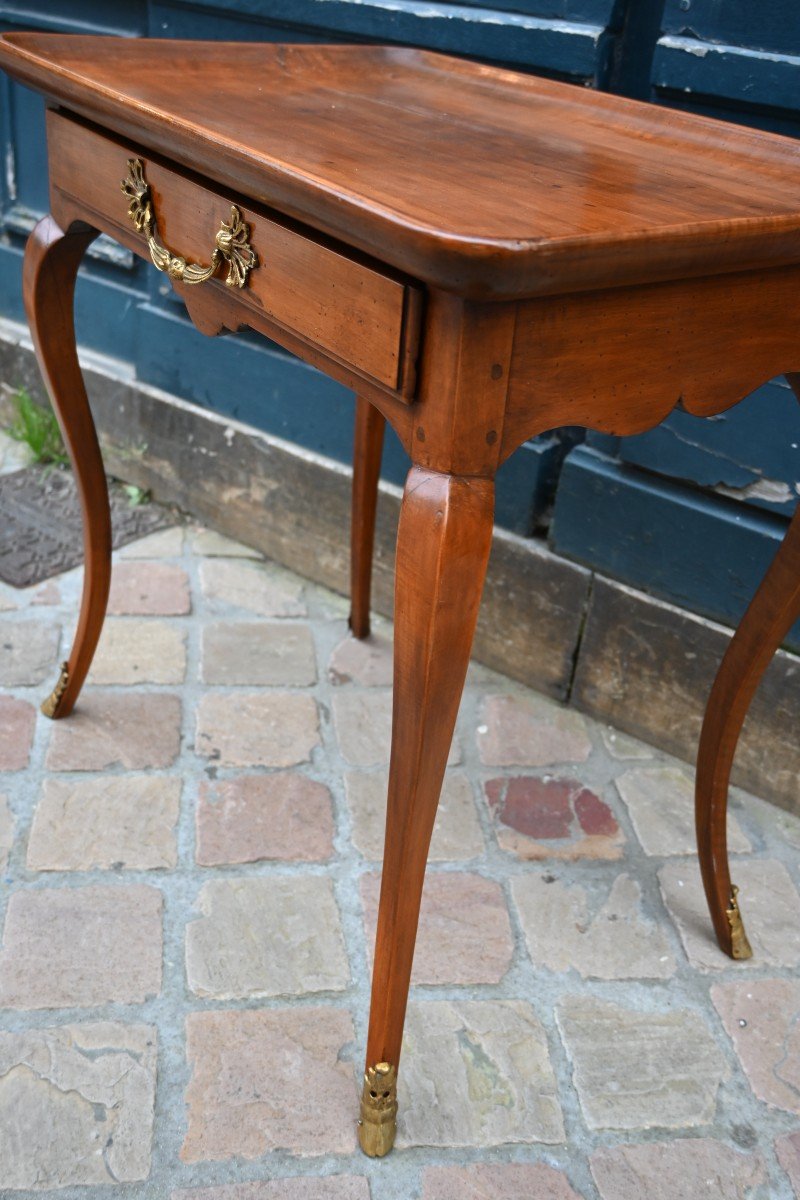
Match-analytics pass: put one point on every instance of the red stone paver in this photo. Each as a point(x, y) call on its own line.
point(531, 731)
point(258, 588)
point(254, 817)
point(787, 1149)
point(107, 822)
point(762, 1018)
point(80, 947)
point(151, 589)
point(265, 653)
point(691, 1167)
point(302, 1187)
point(258, 1082)
point(539, 817)
point(257, 729)
point(497, 1181)
point(366, 661)
point(137, 730)
point(17, 723)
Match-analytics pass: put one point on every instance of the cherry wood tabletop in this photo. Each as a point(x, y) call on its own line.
point(485, 182)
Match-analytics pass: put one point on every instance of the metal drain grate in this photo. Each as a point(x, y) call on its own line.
point(40, 523)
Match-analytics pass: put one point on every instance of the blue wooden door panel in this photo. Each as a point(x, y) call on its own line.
point(730, 451)
point(700, 551)
point(684, 510)
point(773, 26)
point(570, 49)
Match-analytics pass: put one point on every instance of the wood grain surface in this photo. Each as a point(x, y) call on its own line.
point(484, 181)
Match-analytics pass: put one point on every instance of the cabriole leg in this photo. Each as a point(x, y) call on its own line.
point(771, 614)
point(52, 258)
point(370, 424)
point(443, 545)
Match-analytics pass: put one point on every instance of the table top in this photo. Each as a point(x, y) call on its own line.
point(482, 181)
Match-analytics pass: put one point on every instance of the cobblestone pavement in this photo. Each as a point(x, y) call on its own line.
point(190, 868)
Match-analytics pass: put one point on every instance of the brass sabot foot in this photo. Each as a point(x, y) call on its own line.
point(50, 705)
point(378, 1123)
point(740, 947)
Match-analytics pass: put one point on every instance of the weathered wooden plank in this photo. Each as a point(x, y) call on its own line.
point(565, 46)
point(733, 73)
point(647, 667)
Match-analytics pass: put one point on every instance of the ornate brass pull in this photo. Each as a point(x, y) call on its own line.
point(231, 246)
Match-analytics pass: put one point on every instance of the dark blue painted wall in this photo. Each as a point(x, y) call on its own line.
point(698, 506)
point(733, 59)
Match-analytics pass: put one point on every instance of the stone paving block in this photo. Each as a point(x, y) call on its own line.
point(266, 937)
point(787, 1149)
point(641, 1070)
point(366, 661)
point(660, 801)
point(691, 1167)
point(47, 595)
point(149, 589)
point(136, 731)
point(476, 1073)
point(762, 1018)
point(164, 543)
point(258, 652)
point(210, 544)
point(6, 831)
point(28, 652)
point(610, 940)
point(76, 1105)
point(139, 651)
point(258, 729)
point(464, 932)
point(456, 832)
point(770, 907)
point(107, 822)
point(300, 1187)
point(259, 588)
point(547, 817)
point(622, 747)
point(17, 722)
point(269, 1079)
point(530, 731)
point(363, 722)
point(255, 817)
point(496, 1181)
point(81, 946)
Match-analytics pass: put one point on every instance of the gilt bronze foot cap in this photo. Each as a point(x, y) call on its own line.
point(740, 947)
point(50, 706)
point(378, 1124)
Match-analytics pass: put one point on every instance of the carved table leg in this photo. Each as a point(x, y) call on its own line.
point(443, 545)
point(771, 614)
point(52, 258)
point(367, 448)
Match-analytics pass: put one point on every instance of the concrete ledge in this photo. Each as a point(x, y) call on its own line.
point(613, 652)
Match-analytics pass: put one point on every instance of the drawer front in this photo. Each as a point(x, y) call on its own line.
point(349, 310)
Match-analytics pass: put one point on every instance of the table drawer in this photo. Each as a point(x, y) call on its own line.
point(358, 315)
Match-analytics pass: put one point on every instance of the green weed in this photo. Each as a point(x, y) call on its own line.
point(38, 428)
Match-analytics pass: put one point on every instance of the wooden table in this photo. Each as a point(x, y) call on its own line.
point(481, 256)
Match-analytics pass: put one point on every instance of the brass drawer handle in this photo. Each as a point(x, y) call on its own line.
point(232, 243)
